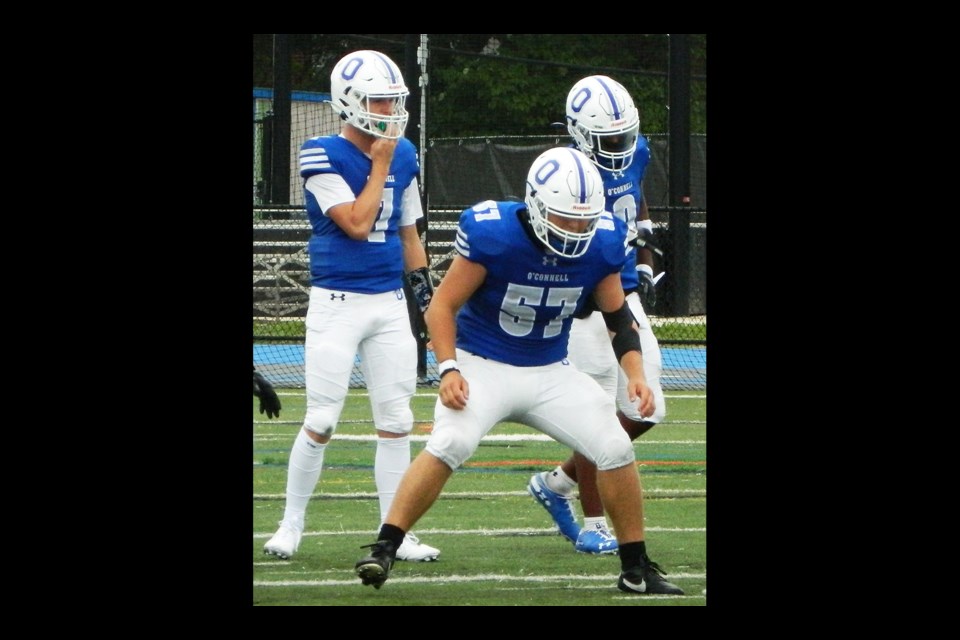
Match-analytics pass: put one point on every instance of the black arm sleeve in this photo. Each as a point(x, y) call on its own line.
point(626, 338)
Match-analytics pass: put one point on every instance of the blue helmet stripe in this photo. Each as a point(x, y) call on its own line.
point(616, 110)
point(582, 179)
point(393, 78)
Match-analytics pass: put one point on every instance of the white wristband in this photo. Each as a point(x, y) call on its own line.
point(446, 365)
point(647, 269)
point(645, 224)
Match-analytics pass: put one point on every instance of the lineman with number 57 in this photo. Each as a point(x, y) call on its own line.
point(500, 321)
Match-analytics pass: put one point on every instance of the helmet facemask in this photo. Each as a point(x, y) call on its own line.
point(374, 123)
point(563, 242)
point(613, 151)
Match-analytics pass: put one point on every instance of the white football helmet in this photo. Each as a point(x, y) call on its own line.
point(362, 76)
point(563, 183)
point(603, 122)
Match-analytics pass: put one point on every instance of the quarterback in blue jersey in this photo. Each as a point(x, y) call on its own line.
point(363, 201)
point(605, 125)
point(500, 322)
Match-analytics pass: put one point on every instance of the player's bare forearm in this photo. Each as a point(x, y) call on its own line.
point(356, 218)
point(632, 365)
point(414, 255)
point(462, 279)
point(608, 294)
point(442, 325)
point(368, 203)
point(645, 256)
point(609, 297)
point(441, 322)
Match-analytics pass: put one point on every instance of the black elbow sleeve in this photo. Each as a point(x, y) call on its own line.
point(625, 337)
point(618, 320)
point(624, 341)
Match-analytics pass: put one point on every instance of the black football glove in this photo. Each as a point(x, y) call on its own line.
point(421, 285)
point(647, 289)
point(418, 325)
point(269, 402)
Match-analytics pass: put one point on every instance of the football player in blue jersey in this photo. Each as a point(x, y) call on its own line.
point(605, 126)
point(500, 322)
point(363, 201)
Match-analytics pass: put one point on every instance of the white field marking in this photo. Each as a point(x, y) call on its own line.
point(284, 569)
point(417, 421)
point(489, 577)
point(368, 421)
point(506, 437)
point(300, 394)
point(475, 495)
point(552, 531)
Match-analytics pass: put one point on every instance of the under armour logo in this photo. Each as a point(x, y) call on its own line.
point(548, 260)
point(333, 296)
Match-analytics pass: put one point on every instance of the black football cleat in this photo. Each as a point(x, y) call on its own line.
point(375, 568)
point(647, 577)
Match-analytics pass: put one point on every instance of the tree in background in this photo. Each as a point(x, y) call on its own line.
point(522, 79)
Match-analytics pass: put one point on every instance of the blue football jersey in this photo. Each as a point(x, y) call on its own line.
point(622, 194)
point(521, 314)
point(338, 262)
point(622, 197)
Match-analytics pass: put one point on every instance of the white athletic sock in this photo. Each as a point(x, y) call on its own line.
point(559, 482)
point(595, 523)
point(303, 473)
point(393, 458)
